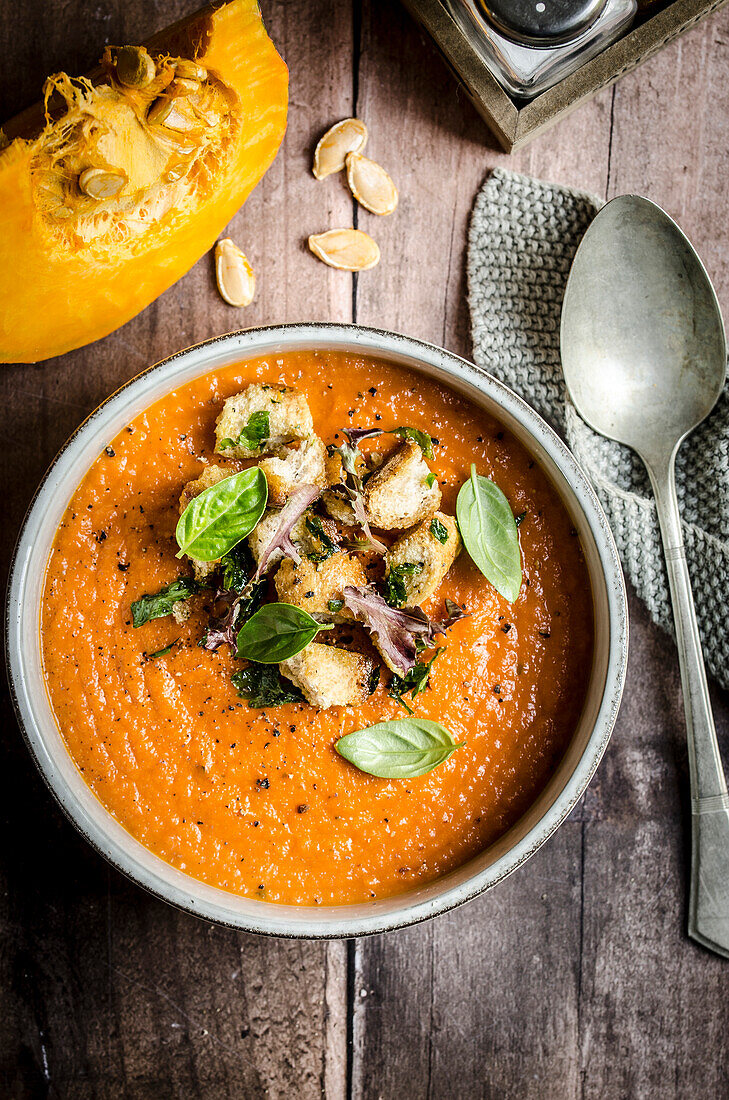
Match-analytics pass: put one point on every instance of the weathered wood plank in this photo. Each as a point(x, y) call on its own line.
point(105, 991)
point(559, 983)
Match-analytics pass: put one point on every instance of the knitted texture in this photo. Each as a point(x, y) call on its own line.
point(522, 238)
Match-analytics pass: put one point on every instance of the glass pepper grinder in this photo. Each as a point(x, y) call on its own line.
point(529, 45)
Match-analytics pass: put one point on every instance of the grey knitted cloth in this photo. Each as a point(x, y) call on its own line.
point(522, 238)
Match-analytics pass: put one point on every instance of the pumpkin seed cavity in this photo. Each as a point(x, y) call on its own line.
point(347, 136)
point(124, 153)
point(345, 249)
point(370, 184)
point(234, 274)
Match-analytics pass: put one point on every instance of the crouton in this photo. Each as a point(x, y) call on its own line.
point(420, 558)
point(300, 464)
point(337, 507)
point(262, 534)
point(398, 494)
point(181, 611)
point(211, 475)
point(329, 677)
point(242, 431)
point(313, 585)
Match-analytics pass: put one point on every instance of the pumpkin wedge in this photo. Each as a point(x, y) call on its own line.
point(114, 188)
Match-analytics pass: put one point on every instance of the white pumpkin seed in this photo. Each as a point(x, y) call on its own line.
point(370, 184)
point(347, 136)
point(99, 183)
point(134, 67)
point(173, 113)
point(234, 274)
point(345, 249)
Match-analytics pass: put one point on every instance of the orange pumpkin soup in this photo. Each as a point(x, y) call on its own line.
point(257, 801)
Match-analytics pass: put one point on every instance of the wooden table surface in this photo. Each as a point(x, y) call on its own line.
point(574, 978)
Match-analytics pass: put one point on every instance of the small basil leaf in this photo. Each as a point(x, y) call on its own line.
point(216, 520)
point(276, 632)
point(252, 435)
point(262, 686)
point(400, 749)
point(421, 438)
point(489, 533)
point(159, 604)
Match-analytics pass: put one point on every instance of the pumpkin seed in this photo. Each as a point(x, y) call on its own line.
point(347, 136)
point(345, 249)
point(99, 183)
point(190, 70)
point(184, 85)
point(175, 114)
point(134, 67)
point(370, 184)
point(234, 274)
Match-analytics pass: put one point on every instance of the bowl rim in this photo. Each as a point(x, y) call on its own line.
point(296, 922)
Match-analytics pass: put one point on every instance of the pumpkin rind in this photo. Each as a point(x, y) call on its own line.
point(53, 300)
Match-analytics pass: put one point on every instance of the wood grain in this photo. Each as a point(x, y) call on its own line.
point(574, 978)
point(559, 983)
point(105, 991)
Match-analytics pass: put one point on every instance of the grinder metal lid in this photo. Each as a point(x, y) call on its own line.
point(542, 22)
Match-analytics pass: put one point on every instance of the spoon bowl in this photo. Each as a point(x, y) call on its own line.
point(643, 345)
point(644, 358)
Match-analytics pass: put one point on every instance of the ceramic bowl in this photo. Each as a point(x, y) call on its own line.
point(127, 854)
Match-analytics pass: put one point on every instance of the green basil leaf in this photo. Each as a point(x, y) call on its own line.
point(263, 686)
point(439, 531)
point(421, 438)
point(430, 480)
point(252, 435)
point(221, 516)
point(276, 632)
point(489, 533)
point(159, 604)
point(400, 749)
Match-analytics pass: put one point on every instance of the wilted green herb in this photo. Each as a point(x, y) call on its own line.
point(253, 435)
point(439, 530)
point(263, 686)
point(395, 590)
point(414, 682)
point(159, 604)
point(315, 527)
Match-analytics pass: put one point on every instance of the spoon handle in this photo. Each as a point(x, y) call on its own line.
point(709, 899)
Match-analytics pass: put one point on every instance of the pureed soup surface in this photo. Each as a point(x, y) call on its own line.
point(259, 802)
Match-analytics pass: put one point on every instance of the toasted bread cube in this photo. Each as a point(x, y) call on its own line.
point(329, 677)
point(421, 546)
point(300, 464)
point(336, 506)
point(211, 475)
point(289, 418)
point(398, 494)
point(312, 585)
point(263, 532)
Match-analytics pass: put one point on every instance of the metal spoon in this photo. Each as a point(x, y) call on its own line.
point(644, 357)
